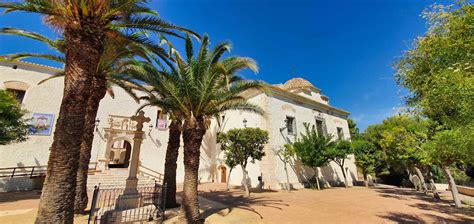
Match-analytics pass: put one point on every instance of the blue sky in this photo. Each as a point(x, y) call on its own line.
point(345, 48)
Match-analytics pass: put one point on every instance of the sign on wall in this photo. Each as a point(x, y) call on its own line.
point(42, 124)
point(161, 124)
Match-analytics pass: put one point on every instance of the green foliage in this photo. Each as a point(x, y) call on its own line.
point(242, 145)
point(366, 155)
point(439, 69)
point(201, 86)
point(451, 146)
point(400, 138)
point(286, 153)
point(339, 152)
point(13, 128)
point(353, 129)
point(310, 147)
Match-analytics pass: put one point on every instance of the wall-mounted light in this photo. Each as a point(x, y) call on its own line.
point(285, 125)
point(96, 124)
point(245, 122)
point(150, 128)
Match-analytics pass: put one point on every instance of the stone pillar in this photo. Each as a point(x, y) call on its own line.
point(130, 197)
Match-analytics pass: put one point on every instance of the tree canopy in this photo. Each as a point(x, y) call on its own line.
point(12, 125)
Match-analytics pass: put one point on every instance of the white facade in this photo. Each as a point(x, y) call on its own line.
point(297, 98)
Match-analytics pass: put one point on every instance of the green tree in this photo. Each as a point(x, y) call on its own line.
point(353, 129)
point(438, 71)
point(242, 146)
point(310, 149)
point(286, 154)
point(86, 27)
point(231, 162)
point(13, 128)
point(200, 88)
point(449, 147)
point(338, 154)
point(400, 139)
point(366, 157)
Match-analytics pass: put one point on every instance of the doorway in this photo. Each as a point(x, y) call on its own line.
point(223, 174)
point(120, 154)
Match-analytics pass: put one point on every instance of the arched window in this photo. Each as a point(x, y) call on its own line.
point(17, 88)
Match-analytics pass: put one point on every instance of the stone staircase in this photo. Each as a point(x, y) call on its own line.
point(115, 178)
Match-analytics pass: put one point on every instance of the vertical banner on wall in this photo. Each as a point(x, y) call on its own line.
point(42, 124)
point(161, 124)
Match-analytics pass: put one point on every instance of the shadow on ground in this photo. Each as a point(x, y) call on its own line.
point(443, 206)
point(18, 196)
point(399, 217)
point(236, 199)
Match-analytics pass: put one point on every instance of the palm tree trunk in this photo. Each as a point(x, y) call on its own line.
point(192, 138)
point(83, 52)
point(454, 188)
point(97, 92)
point(172, 152)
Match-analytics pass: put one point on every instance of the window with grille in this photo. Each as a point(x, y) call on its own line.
point(291, 125)
point(340, 133)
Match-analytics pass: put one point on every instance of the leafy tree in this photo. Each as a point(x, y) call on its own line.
point(438, 71)
point(86, 27)
point(366, 155)
point(400, 139)
point(199, 88)
point(353, 129)
point(231, 163)
point(449, 147)
point(243, 145)
point(338, 154)
point(286, 154)
point(310, 149)
point(13, 128)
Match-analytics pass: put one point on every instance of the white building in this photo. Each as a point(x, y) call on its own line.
point(287, 106)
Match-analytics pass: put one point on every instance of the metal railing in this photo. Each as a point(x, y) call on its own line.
point(151, 173)
point(23, 171)
point(33, 171)
point(110, 205)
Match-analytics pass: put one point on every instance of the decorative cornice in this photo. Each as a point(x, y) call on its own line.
point(31, 65)
point(273, 90)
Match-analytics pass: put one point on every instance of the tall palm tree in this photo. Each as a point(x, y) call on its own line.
point(86, 25)
point(118, 59)
point(200, 88)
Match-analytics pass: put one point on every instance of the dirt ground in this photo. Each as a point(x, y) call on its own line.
point(336, 205)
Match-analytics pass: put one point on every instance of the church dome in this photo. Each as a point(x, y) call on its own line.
point(297, 83)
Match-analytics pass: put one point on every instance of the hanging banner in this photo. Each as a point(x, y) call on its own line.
point(161, 124)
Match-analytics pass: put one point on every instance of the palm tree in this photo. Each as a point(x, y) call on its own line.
point(86, 26)
point(119, 58)
point(200, 88)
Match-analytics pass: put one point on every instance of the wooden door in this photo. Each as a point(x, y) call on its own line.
point(223, 174)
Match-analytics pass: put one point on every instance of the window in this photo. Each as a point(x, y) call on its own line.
point(18, 94)
point(320, 126)
point(161, 119)
point(340, 134)
point(291, 125)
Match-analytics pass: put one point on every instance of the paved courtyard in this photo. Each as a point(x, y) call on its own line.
point(337, 205)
